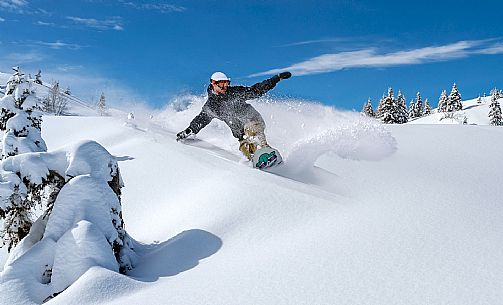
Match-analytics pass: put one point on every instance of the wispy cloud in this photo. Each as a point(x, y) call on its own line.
point(113, 23)
point(58, 45)
point(45, 23)
point(19, 59)
point(52, 45)
point(316, 41)
point(159, 7)
point(13, 5)
point(69, 68)
point(371, 57)
point(1, 19)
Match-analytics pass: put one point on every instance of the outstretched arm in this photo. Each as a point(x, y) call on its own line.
point(198, 123)
point(261, 88)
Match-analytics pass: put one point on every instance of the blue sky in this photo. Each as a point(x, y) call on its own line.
point(340, 52)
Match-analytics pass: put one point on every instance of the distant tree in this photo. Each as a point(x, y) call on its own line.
point(495, 117)
point(55, 102)
point(402, 108)
point(102, 106)
point(442, 102)
point(479, 100)
point(454, 101)
point(368, 110)
point(419, 108)
point(496, 93)
point(427, 108)
point(67, 91)
point(16, 79)
point(38, 77)
point(389, 112)
point(412, 110)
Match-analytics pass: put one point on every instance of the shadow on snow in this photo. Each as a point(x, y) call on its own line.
point(181, 253)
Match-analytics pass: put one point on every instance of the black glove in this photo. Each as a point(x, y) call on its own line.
point(285, 75)
point(184, 134)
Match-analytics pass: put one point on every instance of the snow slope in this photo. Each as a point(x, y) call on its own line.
point(402, 214)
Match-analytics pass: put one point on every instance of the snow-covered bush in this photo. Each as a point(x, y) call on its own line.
point(82, 226)
point(55, 101)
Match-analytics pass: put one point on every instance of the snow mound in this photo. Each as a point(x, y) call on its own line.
point(82, 230)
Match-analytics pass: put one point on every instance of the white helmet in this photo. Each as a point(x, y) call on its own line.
point(217, 76)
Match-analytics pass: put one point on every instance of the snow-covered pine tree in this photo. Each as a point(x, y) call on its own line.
point(495, 117)
point(419, 108)
point(21, 123)
point(454, 101)
point(67, 91)
point(378, 113)
point(102, 106)
point(442, 102)
point(38, 77)
point(16, 79)
point(497, 93)
point(402, 107)
point(479, 100)
point(368, 110)
point(412, 110)
point(427, 108)
point(390, 112)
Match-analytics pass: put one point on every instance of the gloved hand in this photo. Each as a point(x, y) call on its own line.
point(285, 75)
point(184, 134)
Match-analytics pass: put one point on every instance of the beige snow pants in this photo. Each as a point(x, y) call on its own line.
point(254, 138)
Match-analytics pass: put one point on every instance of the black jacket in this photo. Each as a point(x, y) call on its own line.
point(231, 107)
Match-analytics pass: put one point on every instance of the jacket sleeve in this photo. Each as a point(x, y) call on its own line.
point(202, 119)
point(261, 88)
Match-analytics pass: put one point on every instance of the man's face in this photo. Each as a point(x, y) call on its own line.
point(220, 87)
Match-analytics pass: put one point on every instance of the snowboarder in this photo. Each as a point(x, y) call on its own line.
point(228, 103)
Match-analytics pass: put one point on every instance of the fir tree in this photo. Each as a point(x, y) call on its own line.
point(454, 103)
point(419, 108)
point(427, 108)
point(412, 110)
point(442, 102)
point(38, 77)
point(402, 107)
point(368, 110)
point(380, 107)
point(16, 79)
point(389, 112)
point(495, 117)
point(102, 106)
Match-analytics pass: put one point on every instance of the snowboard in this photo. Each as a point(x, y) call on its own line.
point(266, 157)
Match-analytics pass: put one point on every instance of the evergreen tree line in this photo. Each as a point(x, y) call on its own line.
point(391, 110)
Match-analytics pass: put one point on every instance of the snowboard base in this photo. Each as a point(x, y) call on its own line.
point(266, 157)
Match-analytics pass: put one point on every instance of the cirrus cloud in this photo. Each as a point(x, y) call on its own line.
point(372, 58)
point(113, 23)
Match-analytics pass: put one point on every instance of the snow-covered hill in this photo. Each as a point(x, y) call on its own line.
point(401, 214)
point(360, 213)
